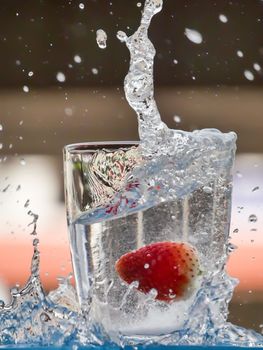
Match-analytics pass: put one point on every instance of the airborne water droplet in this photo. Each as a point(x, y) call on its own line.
point(177, 119)
point(193, 35)
point(94, 71)
point(252, 218)
point(81, 6)
point(257, 67)
point(101, 38)
point(61, 77)
point(249, 75)
point(25, 88)
point(240, 53)
point(122, 36)
point(77, 59)
point(223, 18)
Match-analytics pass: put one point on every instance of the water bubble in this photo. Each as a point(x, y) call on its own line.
point(25, 88)
point(30, 74)
point(177, 119)
point(22, 161)
point(223, 18)
point(101, 38)
point(252, 218)
point(255, 188)
point(61, 77)
point(122, 36)
point(240, 53)
point(249, 75)
point(77, 59)
point(208, 189)
point(44, 317)
point(81, 6)
point(257, 67)
point(193, 35)
point(94, 71)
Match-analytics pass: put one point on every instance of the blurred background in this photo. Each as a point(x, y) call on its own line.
point(58, 87)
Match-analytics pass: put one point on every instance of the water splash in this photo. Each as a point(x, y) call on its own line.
point(101, 38)
point(35, 318)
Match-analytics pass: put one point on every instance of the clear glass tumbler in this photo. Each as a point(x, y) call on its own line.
point(112, 210)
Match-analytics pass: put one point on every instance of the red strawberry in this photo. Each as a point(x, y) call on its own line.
point(168, 267)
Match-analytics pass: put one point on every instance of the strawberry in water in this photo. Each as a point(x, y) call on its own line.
point(168, 267)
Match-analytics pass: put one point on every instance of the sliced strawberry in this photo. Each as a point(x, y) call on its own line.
point(168, 267)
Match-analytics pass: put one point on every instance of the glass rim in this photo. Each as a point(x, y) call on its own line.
point(93, 146)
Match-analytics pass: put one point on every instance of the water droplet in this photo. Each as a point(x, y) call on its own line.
point(177, 119)
point(61, 77)
point(68, 111)
point(77, 59)
point(30, 74)
point(21, 122)
point(139, 4)
point(27, 203)
point(257, 67)
point(193, 35)
point(22, 161)
point(94, 71)
point(223, 18)
point(122, 36)
point(231, 247)
point(249, 75)
point(252, 218)
point(236, 230)
point(101, 38)
point(1, 127)
point(25, 88)
point(240, 53)
point(255, 188)
point(81, 6)
point(1, 146)
point(239, 175)
point(146, 266)
point(175, 61)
